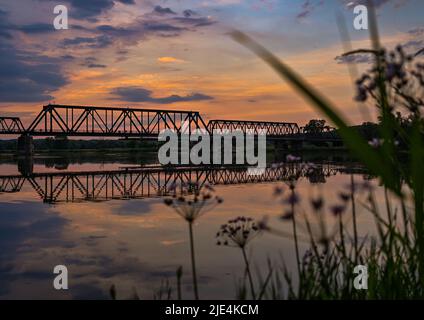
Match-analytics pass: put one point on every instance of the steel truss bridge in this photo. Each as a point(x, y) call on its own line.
point(59, 120)
point(89, 121)
point(146, 182)
point(11, 125)
point(271, 129)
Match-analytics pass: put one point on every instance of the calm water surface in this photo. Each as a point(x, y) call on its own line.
point(109, 227)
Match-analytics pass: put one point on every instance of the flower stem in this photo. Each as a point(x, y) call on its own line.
point(296, 245)
point(193, 261)
point(355, 230)
point(246, 261)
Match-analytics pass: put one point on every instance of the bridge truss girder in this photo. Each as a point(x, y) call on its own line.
point(57, 120)
point(147, 182)
point(255, 127)
point(11, 125)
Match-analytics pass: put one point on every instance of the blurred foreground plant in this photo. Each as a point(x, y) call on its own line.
point(396, 258)
point(190, 203)
point(238, 233)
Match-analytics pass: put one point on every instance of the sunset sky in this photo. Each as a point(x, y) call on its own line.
point(176, 54)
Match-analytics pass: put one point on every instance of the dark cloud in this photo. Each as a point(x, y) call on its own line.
point(36, 28)
point(4, 25)
point(154, 26)
point(91, 62)
point(116, 31)
point(195, 22)
point(355, 58)
point(33, 28)
point(32, 77)
point(87, 9)
point(418, 31)
point(188, 13)
point(5, 34)
point(67, 57)
point(28, 76)
point(98, 42)
point(145, 28)
point(163, 11)
point(96, 65)
point(140, 30)
point(138, 94)
point(307, 8)
point(165, 24)
point(90, 9)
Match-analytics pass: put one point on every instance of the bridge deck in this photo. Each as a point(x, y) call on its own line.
point(90, 121)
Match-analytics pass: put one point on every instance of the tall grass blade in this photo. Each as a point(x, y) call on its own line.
point(374, 161)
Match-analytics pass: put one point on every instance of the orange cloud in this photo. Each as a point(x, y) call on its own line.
point(170, 60)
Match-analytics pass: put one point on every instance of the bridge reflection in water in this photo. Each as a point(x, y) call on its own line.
point(153, 181)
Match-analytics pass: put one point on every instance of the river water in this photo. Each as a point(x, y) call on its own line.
point(104, 218)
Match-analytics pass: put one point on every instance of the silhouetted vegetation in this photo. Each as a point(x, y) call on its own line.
point(62, 143)
point(395, 255)
point(316, 126)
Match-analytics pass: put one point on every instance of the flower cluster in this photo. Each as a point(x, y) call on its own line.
point(238, 232)
point(401, 78)
point(292, 158)
point(376, 143)
point(291, 199)
point(345, 196)
point(191, 203)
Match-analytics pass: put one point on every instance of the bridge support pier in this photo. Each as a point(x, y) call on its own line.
point(26, 166)
point(25, 145)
